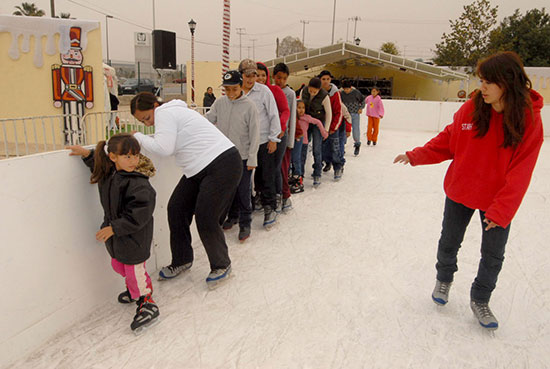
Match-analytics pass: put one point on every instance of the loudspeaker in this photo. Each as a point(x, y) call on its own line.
point(164, 49)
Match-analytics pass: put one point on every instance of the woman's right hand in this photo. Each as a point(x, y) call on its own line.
point(403, 158)
point(78, 150)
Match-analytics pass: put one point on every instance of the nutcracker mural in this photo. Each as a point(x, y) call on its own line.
point(73, 88)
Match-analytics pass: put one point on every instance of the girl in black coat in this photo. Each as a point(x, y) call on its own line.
point(128, 201)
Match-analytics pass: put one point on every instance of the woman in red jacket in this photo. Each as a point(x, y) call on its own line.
point(493, 142)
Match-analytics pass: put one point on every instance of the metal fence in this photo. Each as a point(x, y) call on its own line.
point(31, 135)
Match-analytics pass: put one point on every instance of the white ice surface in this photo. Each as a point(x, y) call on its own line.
point(343, 281)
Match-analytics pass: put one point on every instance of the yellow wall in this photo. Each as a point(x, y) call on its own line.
point(26, 90)
point(207, 74)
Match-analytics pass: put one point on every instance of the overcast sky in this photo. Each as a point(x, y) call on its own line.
point(414, 26)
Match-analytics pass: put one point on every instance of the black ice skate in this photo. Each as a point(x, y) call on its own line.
point(147, 314)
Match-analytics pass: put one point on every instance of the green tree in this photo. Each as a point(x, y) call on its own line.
point(29, 10)
point(469, 39)
point(290, 45)
point(65, 15)
point(390, 48)
point(528, 35)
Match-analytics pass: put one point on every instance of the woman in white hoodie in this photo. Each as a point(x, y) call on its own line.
point(212, 169)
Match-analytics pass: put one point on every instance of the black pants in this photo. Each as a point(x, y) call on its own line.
point(264, 177)
point(455, 220)
point(241, 207)
point(206, 195)
point(280, 153)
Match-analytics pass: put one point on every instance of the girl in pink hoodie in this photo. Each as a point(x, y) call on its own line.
point(299, 152)
point(375, 112)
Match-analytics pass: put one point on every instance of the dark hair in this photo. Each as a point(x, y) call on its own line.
point(315, 83)
point(300, 101)
point(506, 70)
point(261, 66)
point(119, 144)
point(325, 73)
point(281, 67)
point(143, 101)
point(346, 83)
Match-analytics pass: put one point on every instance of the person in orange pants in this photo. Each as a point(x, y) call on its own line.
point(375, 112)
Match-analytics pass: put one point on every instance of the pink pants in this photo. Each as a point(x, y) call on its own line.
point(137, 279)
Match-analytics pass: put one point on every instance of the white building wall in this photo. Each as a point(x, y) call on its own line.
point(53, 271)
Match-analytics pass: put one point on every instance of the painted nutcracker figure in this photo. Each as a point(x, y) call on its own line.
point(73, 88)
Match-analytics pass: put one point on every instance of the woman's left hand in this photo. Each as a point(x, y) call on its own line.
point(104, 234)
point(490, 224)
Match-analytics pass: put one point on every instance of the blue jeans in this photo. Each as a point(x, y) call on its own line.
point(343, 139)
point(314, 136)
point(356, 128)
point(241, 207)
point(331, 150)
point(455, 220)
point(297, 158)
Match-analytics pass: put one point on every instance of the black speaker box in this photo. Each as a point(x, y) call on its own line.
point(164, 49)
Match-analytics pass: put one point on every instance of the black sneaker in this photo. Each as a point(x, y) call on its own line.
point(229, 223)
point(368, 142)
point(373, 143)
point(244, 233)
point(147, 314)
point(328, 166)
point(356, 150)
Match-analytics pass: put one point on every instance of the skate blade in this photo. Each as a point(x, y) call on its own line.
point(139, 331)
point(220, 282)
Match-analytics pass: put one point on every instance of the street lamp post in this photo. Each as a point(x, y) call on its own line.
point(357, 41)
point(192, 25)
point(107, 36)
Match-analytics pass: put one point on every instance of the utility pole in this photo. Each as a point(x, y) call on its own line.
point(333, 21)
point(52, 7)
point(240, 32)
point(107, 36)
point(253, 48)
point(304, 22)
point(356, 18)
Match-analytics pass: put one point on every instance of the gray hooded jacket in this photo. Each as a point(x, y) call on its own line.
point(238, 120)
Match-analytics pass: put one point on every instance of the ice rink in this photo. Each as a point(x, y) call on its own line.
point(342, 281)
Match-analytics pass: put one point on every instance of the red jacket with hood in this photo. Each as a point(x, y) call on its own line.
point(483, 174)
point(280, 99)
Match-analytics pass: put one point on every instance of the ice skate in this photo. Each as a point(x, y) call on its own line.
point(217, 277)
point(484, 315)
point(169, 272)
point(244, 233)
point(287, 205)
point(316, 181)
point(229, 223)
point(125, 297)
point(147, 315)
point(270, 217)
point(440, 295)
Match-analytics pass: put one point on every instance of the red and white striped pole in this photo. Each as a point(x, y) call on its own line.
point(226, 36)
point(193, 68)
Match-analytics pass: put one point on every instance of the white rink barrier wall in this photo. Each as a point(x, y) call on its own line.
point(431, 116)
point(55, 273)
